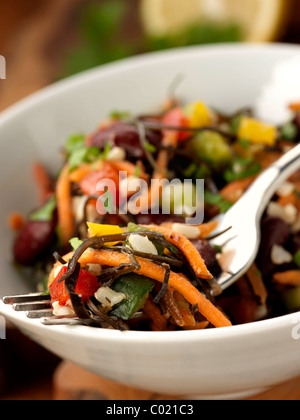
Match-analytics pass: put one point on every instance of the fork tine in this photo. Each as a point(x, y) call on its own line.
point(40, 314)
point(34, 306)
point(38, 306)
point(58, 320)
point(32, 297)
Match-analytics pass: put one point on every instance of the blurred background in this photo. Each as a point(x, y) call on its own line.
point(47, 40)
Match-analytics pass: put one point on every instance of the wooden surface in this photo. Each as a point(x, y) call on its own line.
point(73, 383)
point(70, 383)
point(34, 35)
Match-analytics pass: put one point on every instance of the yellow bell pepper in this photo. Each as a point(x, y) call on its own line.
point(104, 230)
point(257, 132)
point(199, 115)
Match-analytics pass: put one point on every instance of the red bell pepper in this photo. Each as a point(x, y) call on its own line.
point(176, 118)
point(86, 287)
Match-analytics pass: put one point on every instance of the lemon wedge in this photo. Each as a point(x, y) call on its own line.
point(259, 20)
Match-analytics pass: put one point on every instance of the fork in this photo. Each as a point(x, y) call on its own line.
point(38, 306)
point(240, 244)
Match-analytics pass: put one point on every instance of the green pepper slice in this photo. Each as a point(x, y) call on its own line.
point(137, 289)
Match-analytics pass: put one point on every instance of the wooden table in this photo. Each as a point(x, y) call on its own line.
point(72, 383)
point(34, 35)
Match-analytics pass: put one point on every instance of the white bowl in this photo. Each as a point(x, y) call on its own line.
point(233, 361)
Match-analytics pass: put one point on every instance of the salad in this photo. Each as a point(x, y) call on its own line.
point(107, 252)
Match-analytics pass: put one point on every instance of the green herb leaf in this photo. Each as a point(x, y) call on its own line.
point(120, 115)
point(137, 171)
point(289, 131)
point(83, 155)
point(217, 200)
point(75, 243)
point(106, 151)
point(242, 169)
point(244, 143)
point(45, 214)
point(108, 203)
point(218, 249)
point(149, 147)
point(235, 124)
point(74, 142)
point(137, 289)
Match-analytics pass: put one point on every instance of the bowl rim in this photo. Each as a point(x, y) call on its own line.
point(140, 60)
point(64, 85)
point(273, 325)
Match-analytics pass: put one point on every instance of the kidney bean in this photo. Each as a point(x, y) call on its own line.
point(274, 231)
point(207, 252)
point(126, 136)
point(32, 241)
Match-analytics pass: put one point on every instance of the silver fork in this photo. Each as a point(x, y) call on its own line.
point(241, 243)
point(38, 306)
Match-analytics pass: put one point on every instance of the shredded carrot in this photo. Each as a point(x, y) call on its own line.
point(159, 321)
point(234, 191)
point(257, 284)
point(179, 309)
point(266, 159)
point(64, 204)
point(80, 173)
point(288, 278)
point(171, 306)
point(177, 281)
point(290, 199)
point(207, 228)
point(130, 168)
point(185, 310)
point(188, 249)
point(152, 196)
point(44, 182)
point(170, 139)
point(85, 169)
point(286, 200)
point(295, 106)
point(199, 326)
point(16, 221)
